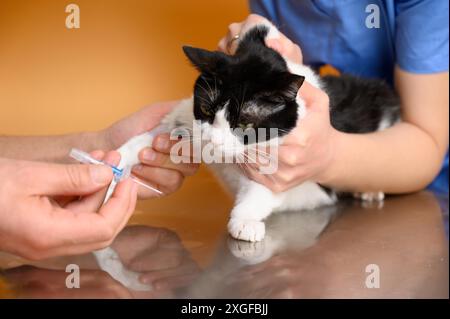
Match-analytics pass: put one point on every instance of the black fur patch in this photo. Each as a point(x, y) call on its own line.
point(359, 105)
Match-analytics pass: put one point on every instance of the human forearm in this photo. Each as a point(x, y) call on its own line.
point(49, 148)
point(401, 159)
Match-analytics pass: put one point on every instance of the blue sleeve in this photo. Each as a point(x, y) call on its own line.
point(421, 37)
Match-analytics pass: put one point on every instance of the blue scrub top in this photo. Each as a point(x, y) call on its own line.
point(412, 34)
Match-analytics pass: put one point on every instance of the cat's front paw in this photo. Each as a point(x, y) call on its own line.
point(250, 252)
point(371, 199)
point(245, 229)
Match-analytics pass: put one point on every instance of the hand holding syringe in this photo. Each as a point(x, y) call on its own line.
point(119, 174)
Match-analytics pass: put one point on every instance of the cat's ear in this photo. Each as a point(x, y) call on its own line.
point(206, 61)
point(293, 84)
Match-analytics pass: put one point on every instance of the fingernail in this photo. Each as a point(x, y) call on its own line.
point(162, 143)
point(100, 174)
point(149, 155)
point(138, 168)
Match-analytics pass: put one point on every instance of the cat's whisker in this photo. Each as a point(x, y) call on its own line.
point(283, 130)
point(215, 85)
point(243, 166)
point(210, 94)
point(257, 170)
point(213, 93)
point(235, 99)
point(205, 100)
point(263, 154)
point(243, 98)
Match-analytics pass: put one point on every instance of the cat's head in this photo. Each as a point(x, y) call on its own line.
point(250, 90)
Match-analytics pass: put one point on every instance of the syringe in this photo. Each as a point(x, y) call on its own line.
point(119, 173)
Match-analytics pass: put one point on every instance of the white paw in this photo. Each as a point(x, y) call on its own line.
point(370, 196)
point(244, 229)
point(249, 252)
point(371, 199)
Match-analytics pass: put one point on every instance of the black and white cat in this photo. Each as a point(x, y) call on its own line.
point(258, 88)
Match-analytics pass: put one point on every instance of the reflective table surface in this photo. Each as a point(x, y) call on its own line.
point(179, 248)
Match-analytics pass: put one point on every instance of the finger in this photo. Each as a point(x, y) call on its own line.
point(169, 283)
point(271, 181)
point(149, 157)
point(276, 45)
point(166, 180)
point(98, 154)
point(291, 154)
point(252, 172)
point(58, 179)
point(233, 37)
point(222, 45)
point(121, 205)
point(226, 44)
point(90, 227)
point(160, 259)
point(171, 146)
point(180, 147)
point(286, 48)
point(67, 249)
point(94, 201)
point(162, 143)
point(187, 267)
point(64, 200)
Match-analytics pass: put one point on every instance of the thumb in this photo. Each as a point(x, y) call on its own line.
point(57, 179)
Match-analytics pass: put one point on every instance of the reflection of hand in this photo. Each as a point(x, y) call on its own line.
point(158, 255)
point(32, 282)
point(286, 275)
point(157, 169)
point(40, 217)
point(283, 45)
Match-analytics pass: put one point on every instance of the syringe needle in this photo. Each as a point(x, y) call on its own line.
point(135, 179)
point(119, 173)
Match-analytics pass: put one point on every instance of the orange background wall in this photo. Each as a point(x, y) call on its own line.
point(126, 54)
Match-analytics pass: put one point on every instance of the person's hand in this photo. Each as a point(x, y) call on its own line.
point(159, 256)
point(40, 218)
point(308, 151)
point(282, 45)
point(156, 167)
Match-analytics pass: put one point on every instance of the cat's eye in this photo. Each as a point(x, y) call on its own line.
point(245, 126)
point(205, 110)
